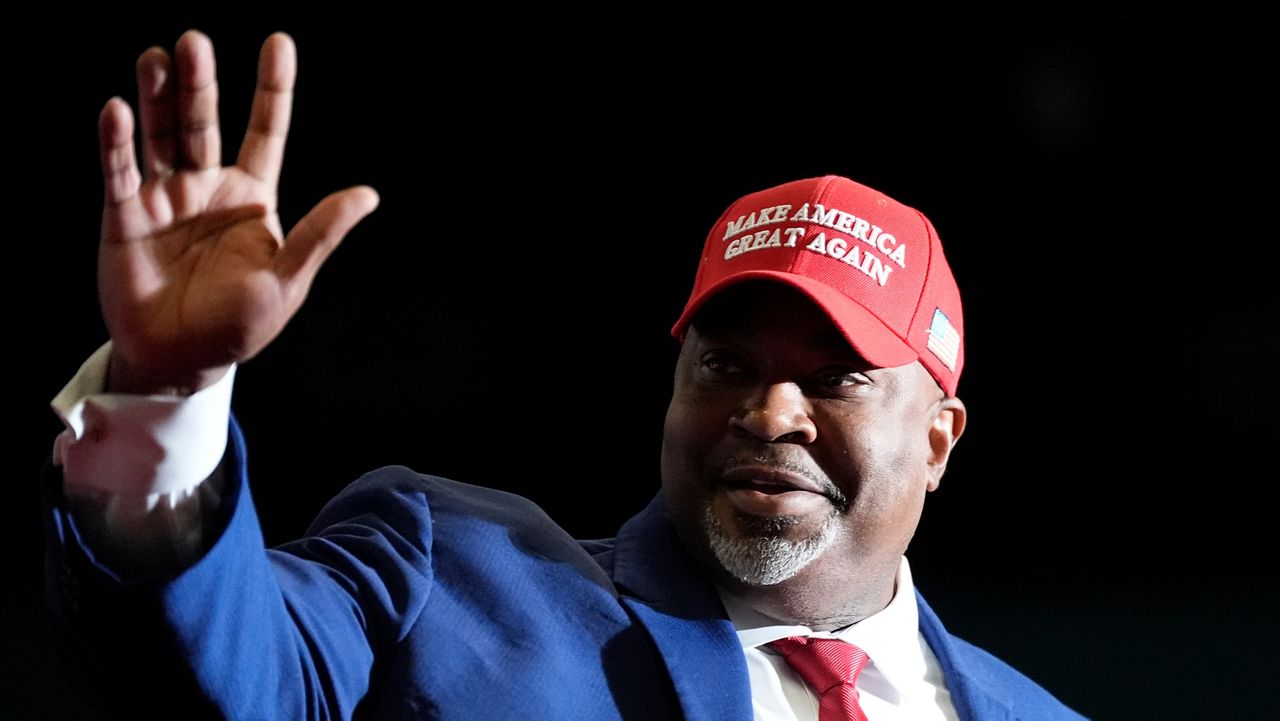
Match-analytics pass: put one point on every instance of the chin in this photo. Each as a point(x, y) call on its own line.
point(759, 551)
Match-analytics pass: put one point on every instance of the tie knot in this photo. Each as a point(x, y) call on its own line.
point(823, 663)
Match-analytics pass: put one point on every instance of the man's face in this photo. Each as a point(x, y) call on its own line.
point(786, 458)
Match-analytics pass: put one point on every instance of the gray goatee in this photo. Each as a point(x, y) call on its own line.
point(763, 556)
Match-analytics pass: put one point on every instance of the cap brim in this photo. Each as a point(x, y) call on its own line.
point(871, 338)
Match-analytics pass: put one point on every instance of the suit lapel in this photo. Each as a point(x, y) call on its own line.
point(973, 699)
point(683, 615)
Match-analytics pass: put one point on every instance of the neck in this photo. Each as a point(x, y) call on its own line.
point(820, 600)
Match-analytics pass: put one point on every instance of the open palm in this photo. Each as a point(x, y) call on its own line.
point(195, 271)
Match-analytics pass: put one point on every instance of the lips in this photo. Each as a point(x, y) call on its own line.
point(769, 491)
point(770, 480)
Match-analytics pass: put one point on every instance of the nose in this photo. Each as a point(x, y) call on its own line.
point(777, 413)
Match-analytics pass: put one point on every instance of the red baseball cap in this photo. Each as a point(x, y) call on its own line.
point(874, 265)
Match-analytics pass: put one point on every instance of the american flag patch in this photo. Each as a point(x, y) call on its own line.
point(944, 341)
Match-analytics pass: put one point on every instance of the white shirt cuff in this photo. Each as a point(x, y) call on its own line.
point(138, 445)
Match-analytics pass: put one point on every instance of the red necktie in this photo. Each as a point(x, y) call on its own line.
point(830, 667)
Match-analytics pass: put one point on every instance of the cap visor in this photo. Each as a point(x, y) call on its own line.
point(870, 337)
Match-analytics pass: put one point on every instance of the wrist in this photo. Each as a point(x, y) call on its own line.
point(126, 377)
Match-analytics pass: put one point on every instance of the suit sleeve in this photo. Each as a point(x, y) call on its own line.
point(246, 632)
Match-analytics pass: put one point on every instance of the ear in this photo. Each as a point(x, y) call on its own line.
point(948, 424)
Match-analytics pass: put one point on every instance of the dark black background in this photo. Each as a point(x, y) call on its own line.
point(1102, 182)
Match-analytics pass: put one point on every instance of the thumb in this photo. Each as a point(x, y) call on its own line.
point(320, 231)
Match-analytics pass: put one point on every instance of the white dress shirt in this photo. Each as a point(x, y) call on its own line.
point(137, 470)
point(902, 681)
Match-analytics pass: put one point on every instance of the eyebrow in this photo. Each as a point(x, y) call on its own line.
point(829, 340)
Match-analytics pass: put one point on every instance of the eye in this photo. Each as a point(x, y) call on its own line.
point(720, 362)
point(841, 378)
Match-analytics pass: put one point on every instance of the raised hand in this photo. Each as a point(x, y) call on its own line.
point(194, 269)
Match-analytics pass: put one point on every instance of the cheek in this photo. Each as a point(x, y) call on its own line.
point(695, 423)
point(684, 444)
point(871, 448)
point(885, 515)
point(886, 471)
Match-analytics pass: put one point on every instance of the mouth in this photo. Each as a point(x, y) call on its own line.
point(770, 479)
point(765, 490)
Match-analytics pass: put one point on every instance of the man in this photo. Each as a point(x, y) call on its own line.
point(813, 408)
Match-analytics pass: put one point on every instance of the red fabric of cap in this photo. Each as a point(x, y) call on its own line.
point(874, 265)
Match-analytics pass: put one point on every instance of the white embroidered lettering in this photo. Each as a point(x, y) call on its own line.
point(836, 248)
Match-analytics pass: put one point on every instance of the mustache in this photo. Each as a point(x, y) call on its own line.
point(783, 463)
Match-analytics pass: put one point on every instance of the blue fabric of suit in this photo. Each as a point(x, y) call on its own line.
point(415, 597)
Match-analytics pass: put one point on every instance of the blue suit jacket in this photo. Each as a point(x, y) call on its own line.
point(415, 597)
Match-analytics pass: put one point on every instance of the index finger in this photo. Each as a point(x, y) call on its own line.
point(262, 151)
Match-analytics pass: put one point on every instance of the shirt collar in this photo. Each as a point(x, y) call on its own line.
point(890, 637)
